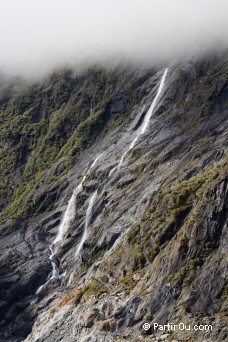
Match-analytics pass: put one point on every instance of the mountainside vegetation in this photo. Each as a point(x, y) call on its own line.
point(156, 245)
point(46, 126)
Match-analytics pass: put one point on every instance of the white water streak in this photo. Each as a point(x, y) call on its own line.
point(68, 216)
point(146, 120)
point(87, 222)
point(55, 271)
point(70, 212)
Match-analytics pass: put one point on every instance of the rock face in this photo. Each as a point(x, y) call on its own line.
point(147, 241)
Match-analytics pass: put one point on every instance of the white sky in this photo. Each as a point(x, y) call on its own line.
point(38, 34)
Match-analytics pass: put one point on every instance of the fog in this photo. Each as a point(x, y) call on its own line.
point(37, 35)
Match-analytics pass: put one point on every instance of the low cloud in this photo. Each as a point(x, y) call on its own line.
point(37, 35)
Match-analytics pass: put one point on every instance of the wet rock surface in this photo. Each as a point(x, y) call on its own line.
point(156, 248)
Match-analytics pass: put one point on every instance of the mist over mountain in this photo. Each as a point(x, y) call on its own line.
point(37, 36)
point(113, 170)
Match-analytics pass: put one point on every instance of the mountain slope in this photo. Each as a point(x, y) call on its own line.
point(148, 239)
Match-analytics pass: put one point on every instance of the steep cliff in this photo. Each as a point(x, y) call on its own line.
point(114, 203)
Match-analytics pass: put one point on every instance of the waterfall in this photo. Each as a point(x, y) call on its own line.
point(68, 216)
point(55, 271)
point(70, 212)
point(87, 222)
point(144, 124)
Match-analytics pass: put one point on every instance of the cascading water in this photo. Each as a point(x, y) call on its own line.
point(55, 271)
point(85, 233)
point(139, 132)
point(87, 222)
point(144, 124)
point(68, 216)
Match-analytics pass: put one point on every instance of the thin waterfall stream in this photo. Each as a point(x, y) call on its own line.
point(55, 270)
point(86, 226)
point(140, 131)
point(144, 125)
point(87, 222)
point(70, 212)
point(68, 217)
